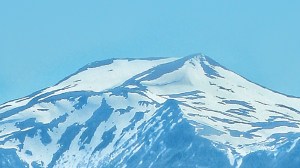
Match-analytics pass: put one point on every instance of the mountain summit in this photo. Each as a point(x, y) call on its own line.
point(156, 112)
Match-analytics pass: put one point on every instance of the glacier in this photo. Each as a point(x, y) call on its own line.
point(152, 112)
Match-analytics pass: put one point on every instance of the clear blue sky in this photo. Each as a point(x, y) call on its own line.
point(41, 42)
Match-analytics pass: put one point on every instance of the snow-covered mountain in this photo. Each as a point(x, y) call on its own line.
point(156, 112)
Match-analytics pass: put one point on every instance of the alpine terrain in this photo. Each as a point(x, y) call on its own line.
point(152, 113)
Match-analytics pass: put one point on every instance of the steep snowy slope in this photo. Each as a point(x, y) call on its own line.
point(163, 112)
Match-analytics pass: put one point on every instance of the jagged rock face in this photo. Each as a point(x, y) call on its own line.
point(163, 112)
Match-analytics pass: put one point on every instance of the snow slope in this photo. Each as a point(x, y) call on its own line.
point(156, 112)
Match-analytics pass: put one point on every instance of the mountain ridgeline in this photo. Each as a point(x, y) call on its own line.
point(156, 112)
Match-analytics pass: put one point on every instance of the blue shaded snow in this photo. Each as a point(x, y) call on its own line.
point(9, 159)
point(265, 159)
point(65, 142)
point(107, 138)
point(100, 115)
point(176, 145)
point(35, 129)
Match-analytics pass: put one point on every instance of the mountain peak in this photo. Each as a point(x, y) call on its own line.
point(155, 112)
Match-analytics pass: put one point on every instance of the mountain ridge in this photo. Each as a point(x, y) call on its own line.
point(106, 61)
point(122, 103)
